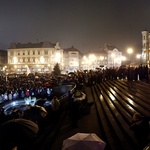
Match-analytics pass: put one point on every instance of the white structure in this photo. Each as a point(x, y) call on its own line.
point(146, 47)
point(34, 57)
point(72, 58)
point(114, 56)
point(42, 57)
point(93, 60)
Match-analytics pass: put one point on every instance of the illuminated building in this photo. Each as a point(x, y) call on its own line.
point(114, 56)
point(41, 57)
point(94, 59)
point(34, 57)
point(72, 59)
point(3, 60)
point(145, 47)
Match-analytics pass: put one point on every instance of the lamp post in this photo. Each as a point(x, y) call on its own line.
point(130, 51)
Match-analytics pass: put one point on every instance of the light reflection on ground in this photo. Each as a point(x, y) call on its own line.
point(25, 103)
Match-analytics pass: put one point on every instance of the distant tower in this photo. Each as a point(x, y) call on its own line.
point(146, 47)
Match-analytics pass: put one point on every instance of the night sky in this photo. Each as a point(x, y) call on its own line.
point(84, 24)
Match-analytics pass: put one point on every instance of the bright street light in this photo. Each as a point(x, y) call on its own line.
point(130, 50)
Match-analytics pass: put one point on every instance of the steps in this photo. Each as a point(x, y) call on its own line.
point(115, 103)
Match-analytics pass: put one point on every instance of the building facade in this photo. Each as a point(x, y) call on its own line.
point(72, 59)
point(145, 47)
point(3, 60)
point(94, 59)
point(34, 57)
point(42, 57)
point(114, 56)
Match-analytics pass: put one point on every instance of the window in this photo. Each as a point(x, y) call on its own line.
point(38, 52)
point(33, 52)
point(11, 53)
point(34, 60)
point(28, 53)
point(46, 52)
point(18, 54)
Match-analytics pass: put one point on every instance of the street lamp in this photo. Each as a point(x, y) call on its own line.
point(130, 51)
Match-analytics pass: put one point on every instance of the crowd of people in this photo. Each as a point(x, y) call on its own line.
point(17, 88)
point(41, 87)
point(25, 86)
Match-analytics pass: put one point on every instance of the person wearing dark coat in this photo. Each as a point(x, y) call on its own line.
point(141, 128)
point(75, 113)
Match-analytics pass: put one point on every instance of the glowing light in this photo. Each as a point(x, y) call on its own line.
point(138, 56)
point(42, 59)
point(112, 55)
point(13, 103)
point(15, 59)
point(101, 57)
point(84, 57)
point(113, 91)
point(112, 97)
point(123, 58)
point(130, 50)
point(130, 101)
point(57, 57)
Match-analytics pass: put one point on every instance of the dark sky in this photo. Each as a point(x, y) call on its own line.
point(84, 24)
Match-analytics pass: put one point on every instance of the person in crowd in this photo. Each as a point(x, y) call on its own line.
point(75, 113)
point(3, 117)
point(55, 107)
point(10, 96)
point(141, 128)
point(79, 96)
point(70, 101)
point(55, 104)
point(48, 93)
